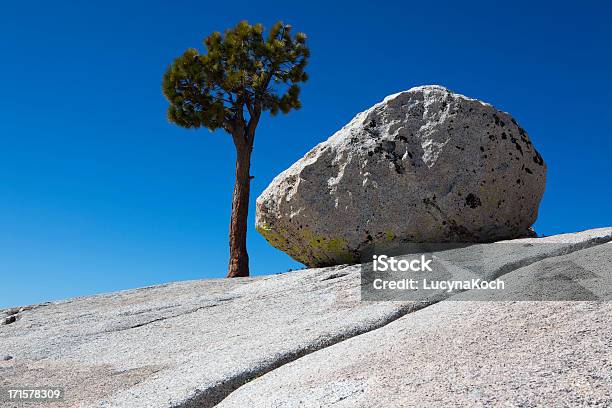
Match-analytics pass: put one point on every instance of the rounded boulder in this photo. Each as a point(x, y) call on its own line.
point(424, 165)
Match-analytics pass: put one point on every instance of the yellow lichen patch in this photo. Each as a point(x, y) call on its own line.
point(264, 227)
point(274, 238)
point(310, 249)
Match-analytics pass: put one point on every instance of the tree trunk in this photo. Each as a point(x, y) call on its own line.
point(239, 258)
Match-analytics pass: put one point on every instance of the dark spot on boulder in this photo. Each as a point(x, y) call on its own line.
point(498, 121)
point(519, 148)
point(537, 159)
point(372, 123)
point(516, 144)
point(399, 168)
point(528, 170)
point(472, 201)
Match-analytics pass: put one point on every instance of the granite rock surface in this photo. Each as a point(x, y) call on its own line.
point(305, 338)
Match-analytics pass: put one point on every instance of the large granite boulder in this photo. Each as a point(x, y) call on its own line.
point(424, 165)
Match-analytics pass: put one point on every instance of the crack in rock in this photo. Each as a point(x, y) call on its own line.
point(159, 319)
point(211, 397)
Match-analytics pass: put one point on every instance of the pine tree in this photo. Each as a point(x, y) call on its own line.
point(241, 75)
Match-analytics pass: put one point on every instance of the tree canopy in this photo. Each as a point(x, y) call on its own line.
point(242, 73)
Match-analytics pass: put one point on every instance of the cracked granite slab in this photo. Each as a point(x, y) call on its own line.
point(464, 354)
point(191, 344)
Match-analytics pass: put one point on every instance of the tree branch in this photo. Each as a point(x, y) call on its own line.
point(249, 106)
point(252, 125)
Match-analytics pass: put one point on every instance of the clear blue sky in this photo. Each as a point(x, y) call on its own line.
point(98, 192)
